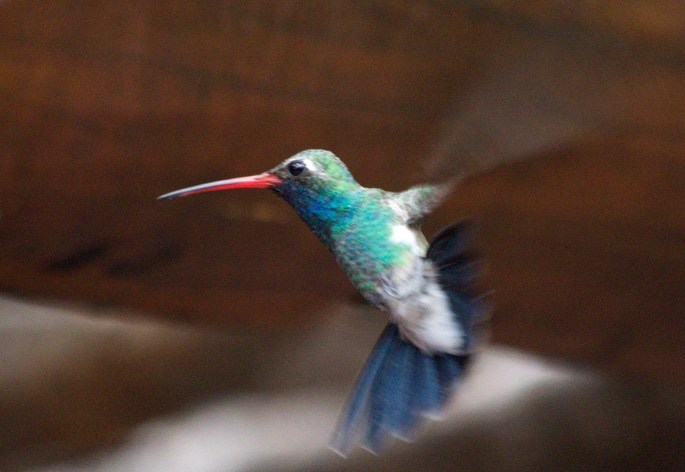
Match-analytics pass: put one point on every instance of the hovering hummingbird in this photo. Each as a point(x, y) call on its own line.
point(425, 289)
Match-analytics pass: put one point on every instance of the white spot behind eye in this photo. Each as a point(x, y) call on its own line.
point(310, 165)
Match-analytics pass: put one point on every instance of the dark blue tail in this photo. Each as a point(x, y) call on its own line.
point(400, 384)
point(397, 386)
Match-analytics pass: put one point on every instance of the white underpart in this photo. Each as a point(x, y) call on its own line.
point(422, 310)
point(440, 329)
point(426, 319)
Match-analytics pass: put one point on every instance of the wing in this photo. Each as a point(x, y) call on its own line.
point(419, 201)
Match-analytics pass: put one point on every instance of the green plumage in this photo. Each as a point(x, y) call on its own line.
point(356, 223)
point(364, 248)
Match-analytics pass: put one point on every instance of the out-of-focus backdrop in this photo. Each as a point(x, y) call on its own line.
point(216, 334)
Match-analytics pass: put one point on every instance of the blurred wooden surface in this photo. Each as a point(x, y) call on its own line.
point(104, 106)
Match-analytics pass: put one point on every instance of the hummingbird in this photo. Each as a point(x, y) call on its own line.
point(426, 290)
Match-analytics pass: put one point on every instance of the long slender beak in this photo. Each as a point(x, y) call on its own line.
point(265, 180)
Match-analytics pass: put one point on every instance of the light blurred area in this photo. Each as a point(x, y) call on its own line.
point(129, 395)
point(216, 334)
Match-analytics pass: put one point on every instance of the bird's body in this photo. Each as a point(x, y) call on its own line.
point(376, 239)
point(375, 236)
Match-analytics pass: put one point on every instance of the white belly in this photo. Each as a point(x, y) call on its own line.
point(425, 318)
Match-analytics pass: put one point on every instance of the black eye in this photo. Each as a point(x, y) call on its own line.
point(296, 168)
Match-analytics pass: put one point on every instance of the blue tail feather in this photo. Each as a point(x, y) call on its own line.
point(400, 384)
point(427, 397)
point(397, 386)
point(391, 388)
point(355, 421)
point(450, 369)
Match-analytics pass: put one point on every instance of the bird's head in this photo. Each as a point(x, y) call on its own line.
point(310, 175)
point(315, 182)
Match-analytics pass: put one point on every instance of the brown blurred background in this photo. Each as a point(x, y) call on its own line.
point(567, 118)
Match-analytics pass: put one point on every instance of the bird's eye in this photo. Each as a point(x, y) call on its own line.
point(295, 168)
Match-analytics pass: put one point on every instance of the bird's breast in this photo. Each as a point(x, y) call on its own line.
point(374, 255)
